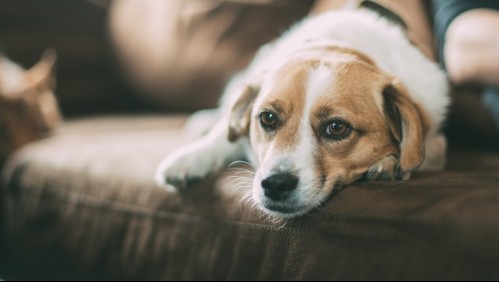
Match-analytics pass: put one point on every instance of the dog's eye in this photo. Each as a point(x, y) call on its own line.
point(337, 130)
point(268, 120)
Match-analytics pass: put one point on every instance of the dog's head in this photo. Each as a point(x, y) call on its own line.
point(325, 119)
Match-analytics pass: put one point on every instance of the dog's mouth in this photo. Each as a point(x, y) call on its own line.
point(281, 209)
point(285, 211)
point(291, 210)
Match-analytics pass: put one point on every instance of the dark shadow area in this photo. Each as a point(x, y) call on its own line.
point(470, 125)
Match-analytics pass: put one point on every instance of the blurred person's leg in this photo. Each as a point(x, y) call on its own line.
point(180, 53)
point(412, 12)
point(471, 51)
point(467, 34)
point(491, 101)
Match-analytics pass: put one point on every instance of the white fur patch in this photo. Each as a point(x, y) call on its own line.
point(320, 80)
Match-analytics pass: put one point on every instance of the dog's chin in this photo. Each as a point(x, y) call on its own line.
point(284, 211)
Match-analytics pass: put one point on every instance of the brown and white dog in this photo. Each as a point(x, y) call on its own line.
point(340, 97)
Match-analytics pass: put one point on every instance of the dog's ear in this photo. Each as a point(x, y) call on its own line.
point(408, 126)
point(240, 116)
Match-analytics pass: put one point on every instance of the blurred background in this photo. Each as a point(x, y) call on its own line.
point(88, 77)
point(131, 56)
point(166, 56)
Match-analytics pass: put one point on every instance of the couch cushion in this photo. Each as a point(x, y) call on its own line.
point(82, 205)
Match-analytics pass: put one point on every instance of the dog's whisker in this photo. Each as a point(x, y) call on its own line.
point(283, 225)
point(241, 181)
point(242, 173)
point(262, 215)
point(239, 171)
point(239, 162)
point(234, 171)
point(237, 178)
point(254, 206)
point(246, 196)
point(281, 222)
point(246, 199)
point(242, 187)
point(238, 184)
point(235, 182)
point(222, 173)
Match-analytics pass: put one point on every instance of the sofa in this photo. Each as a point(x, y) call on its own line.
point(82, 204)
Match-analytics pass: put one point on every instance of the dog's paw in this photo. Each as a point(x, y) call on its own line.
point(182, 169)
point(386, 169)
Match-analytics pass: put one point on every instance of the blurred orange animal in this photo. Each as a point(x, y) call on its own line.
point(28, 107)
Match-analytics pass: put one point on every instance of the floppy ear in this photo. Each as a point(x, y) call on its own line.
point(240, 116)
point(407, 126)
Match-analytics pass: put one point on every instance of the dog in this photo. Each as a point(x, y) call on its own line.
point(341, 97)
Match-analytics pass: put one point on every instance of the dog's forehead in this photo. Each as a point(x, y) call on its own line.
point(356, 87)
point(344, 82)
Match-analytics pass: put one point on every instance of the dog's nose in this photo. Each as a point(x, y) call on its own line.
point(279, 186)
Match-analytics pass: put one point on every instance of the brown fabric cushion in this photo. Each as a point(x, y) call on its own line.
point(82, 205)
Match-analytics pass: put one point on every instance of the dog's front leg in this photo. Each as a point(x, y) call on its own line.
point(197, 160)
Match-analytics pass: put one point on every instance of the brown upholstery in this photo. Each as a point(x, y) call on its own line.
point(82, 205)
